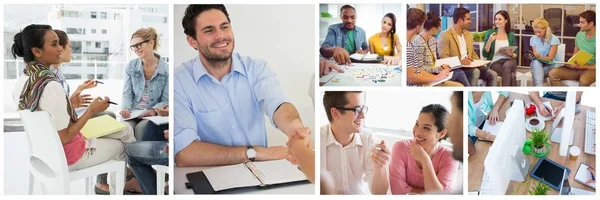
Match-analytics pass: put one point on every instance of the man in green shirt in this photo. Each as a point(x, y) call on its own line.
point(585, 40)
point(344, 39)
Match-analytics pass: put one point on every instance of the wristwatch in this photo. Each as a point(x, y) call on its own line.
point(251, 153)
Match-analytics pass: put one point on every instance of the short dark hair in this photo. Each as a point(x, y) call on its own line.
point(459, 13)
point(414, 17)
point(63, 38)
point(459, 99)
point(589, 16)
point(193, 10)
point(346, 6)
point(506, 16)
point(433, 21)
point(333, 99)
point(439, 114)
point(31, 36)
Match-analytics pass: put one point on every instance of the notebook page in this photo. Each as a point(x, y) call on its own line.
point(231, 176)
point(279, 171)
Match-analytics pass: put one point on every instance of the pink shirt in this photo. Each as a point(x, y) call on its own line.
point(74, 149)
point(405, 174)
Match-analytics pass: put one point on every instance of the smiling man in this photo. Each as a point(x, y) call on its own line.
point(344, 38)
point(221, 98)
point(351, 155)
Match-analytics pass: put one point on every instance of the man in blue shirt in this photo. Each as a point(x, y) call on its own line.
point(344, 38)
point(221, 98)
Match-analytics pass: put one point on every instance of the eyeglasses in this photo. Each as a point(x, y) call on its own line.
point(138, 45)
point(357, 111)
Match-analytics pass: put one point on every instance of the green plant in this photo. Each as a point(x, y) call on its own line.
point(539, 138)
point(540, 189)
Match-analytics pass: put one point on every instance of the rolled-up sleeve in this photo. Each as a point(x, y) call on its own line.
point(184, 120)
point(267, 90)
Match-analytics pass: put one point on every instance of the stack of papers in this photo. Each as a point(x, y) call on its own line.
point(492, 129)
point(158, 120)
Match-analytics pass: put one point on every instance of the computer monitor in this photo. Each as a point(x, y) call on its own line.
point(568, 120)
point(505, 160)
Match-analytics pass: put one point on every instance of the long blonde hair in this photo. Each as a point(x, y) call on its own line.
point(148, 34)
point(541, 23)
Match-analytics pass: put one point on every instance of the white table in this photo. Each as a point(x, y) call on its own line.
point(181, 179)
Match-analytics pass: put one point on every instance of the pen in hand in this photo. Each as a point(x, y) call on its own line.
point(99, 82)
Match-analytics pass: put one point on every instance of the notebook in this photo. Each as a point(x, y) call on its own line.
point(246, 175)
point(549, 106)
point(158, 120)
point(453, 62)
point(101, 126)
point(581, 57)
point(583, 175)
point(361, 58)
point(135, 114)
point(477, 63)
point(444, 79)
point(492, 129)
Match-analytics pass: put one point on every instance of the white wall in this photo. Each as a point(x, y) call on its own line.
point(282, 35)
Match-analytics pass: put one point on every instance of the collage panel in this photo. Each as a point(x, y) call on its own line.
point(498, 45)
point(363, 150)
point(86, 99)
point(244, 112)
point(359, 45)
point(532, 143)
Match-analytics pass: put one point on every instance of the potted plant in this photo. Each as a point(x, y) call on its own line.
point(540, 189)
point(539, 140)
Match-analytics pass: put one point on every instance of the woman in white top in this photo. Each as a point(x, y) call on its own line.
point(39, 90)
point(504, 61)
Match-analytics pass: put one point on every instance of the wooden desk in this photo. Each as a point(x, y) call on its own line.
point(181, 179)
point(476, 167)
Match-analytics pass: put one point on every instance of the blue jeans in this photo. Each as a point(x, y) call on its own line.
point(460, 76)
point(141, 156)
point(154, 132)
point(539, 71)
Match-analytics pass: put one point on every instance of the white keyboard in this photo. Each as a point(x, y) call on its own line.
point(577, 191)
point(486, 185)
point(590, 133)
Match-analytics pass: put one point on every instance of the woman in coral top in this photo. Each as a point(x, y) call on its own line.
point(423, 164)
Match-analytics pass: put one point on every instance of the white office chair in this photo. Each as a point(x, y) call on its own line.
point(524, 77)
point(47, 161)
point(161, 171)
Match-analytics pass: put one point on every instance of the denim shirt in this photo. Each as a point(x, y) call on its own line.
point(336, 37)
point(134, 85)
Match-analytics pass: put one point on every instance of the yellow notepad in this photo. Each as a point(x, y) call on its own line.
point(101, 126)
point(581, 57)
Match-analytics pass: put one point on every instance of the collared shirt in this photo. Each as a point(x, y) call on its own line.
point(230, 112)
point(543, 47)
point(135, 82)
point(61, 79)
point(350, 166)
point(336, 37)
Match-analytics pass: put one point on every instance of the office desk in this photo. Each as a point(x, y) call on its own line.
point(476, 160)
point(364, 74)
point(181, 179)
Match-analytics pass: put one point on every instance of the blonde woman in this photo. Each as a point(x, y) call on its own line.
point(146, 80)
point(544, 46)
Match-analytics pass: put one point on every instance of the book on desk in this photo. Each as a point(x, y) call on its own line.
point(257, 175)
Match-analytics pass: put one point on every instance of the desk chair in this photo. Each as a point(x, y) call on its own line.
point(161, 171)
point(47, 161)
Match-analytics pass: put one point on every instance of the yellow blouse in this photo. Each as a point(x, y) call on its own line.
point(375, 42)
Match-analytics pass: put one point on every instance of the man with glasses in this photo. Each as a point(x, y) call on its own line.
point(351, 155)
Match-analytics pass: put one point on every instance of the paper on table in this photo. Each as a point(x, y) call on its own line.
point(443, 80)
point(549, 106)
point(453, 62)
point(477, 63)
point(232, 176)
point(492, 129)
point(279, 171)
point(135, 114)
point(584, 175)
point(331, 74)
point(158, 120)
